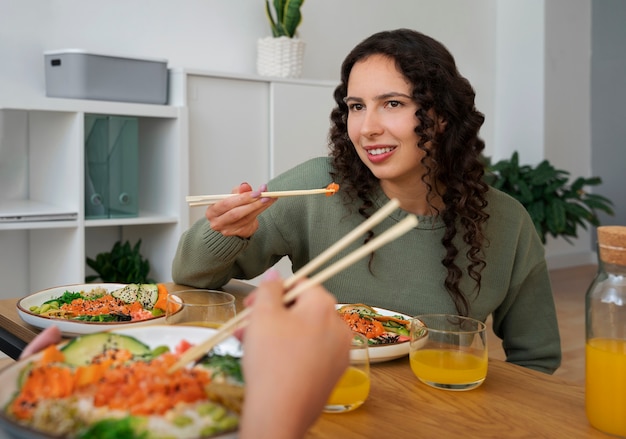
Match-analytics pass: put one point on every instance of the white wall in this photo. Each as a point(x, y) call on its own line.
point(221, 35)
point(519, 117)
point(504, 47)
point(567, 106)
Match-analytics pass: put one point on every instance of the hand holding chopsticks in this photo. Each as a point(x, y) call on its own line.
point(205, 200)
point(227, 329)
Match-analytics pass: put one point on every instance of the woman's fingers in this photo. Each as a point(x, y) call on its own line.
point(49, 336)
point(237, 215)
point(238, 220)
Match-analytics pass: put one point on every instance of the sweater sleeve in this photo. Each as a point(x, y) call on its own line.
point(207, 259)
point(204, 258)
point(527, 324)
point(526, 319)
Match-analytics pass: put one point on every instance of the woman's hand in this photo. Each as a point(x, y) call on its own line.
point(49, 336)
point(237, 216)
point(292, 359)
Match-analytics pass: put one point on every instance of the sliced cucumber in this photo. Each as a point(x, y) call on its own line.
point(81, 350)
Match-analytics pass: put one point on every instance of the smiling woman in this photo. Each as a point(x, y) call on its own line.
point(404, 126)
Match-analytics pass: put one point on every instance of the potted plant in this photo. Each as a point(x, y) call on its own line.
point(555, 206)
point(123, 264)
point(281, 54)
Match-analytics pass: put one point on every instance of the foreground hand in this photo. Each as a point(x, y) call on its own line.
point(49, 336)
point(237, 216)
point(293, 358)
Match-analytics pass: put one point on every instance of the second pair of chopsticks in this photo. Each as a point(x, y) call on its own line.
point(227, 329)
point(205, 200)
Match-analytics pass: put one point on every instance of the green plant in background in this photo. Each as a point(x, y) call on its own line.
point(555, 206)
point(123, 264)
point(285, 18)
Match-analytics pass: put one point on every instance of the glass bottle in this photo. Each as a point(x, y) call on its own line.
point(605, 324)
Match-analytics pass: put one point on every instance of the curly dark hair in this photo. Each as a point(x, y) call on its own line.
point(452, 158)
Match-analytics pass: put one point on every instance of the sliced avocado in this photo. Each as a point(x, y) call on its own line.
point(81, 350)
point(147, 295)
point(23, 376)
point(361, 309)
point(128, 294)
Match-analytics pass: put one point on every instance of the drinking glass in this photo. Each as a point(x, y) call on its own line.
point(448, 351)
point(353, 387)
point(208, 308)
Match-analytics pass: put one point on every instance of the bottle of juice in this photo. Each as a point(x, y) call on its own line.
point(605, 322)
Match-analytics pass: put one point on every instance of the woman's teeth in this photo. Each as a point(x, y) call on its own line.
point(379, 151)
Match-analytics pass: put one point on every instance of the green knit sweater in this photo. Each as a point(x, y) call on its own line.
point(406, 275)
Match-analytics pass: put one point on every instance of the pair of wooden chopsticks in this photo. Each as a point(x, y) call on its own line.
point(227, 329)
point(205, 200)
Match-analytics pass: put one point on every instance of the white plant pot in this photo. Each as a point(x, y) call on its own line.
point(280, 57)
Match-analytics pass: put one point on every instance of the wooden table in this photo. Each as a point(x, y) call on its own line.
point(513, 402)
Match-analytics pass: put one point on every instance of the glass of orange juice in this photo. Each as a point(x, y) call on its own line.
point(353, 387)
point(448, 351)
point(208, 308)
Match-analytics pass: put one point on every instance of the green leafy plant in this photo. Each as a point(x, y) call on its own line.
point(123, 264)
point(285, 17)
point(555, 206)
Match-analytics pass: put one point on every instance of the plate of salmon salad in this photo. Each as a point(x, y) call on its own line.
point(87, 308)
point(120, 384)
point(387, 331)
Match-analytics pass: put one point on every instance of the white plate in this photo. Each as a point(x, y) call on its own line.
point(153, 336)
point(71, 328)
point(386, 352)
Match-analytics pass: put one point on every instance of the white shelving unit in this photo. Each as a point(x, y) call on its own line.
point(218, 131)
point(42, 169)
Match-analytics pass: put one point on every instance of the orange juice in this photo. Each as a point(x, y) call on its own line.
point(448, 367)
point(351, 389)
point(605, 385)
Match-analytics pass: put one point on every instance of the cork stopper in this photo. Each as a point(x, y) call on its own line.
point(612, 244)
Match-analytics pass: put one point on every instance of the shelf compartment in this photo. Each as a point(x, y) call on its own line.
point(38, 161)
point(35, 259)
point(158, 243)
